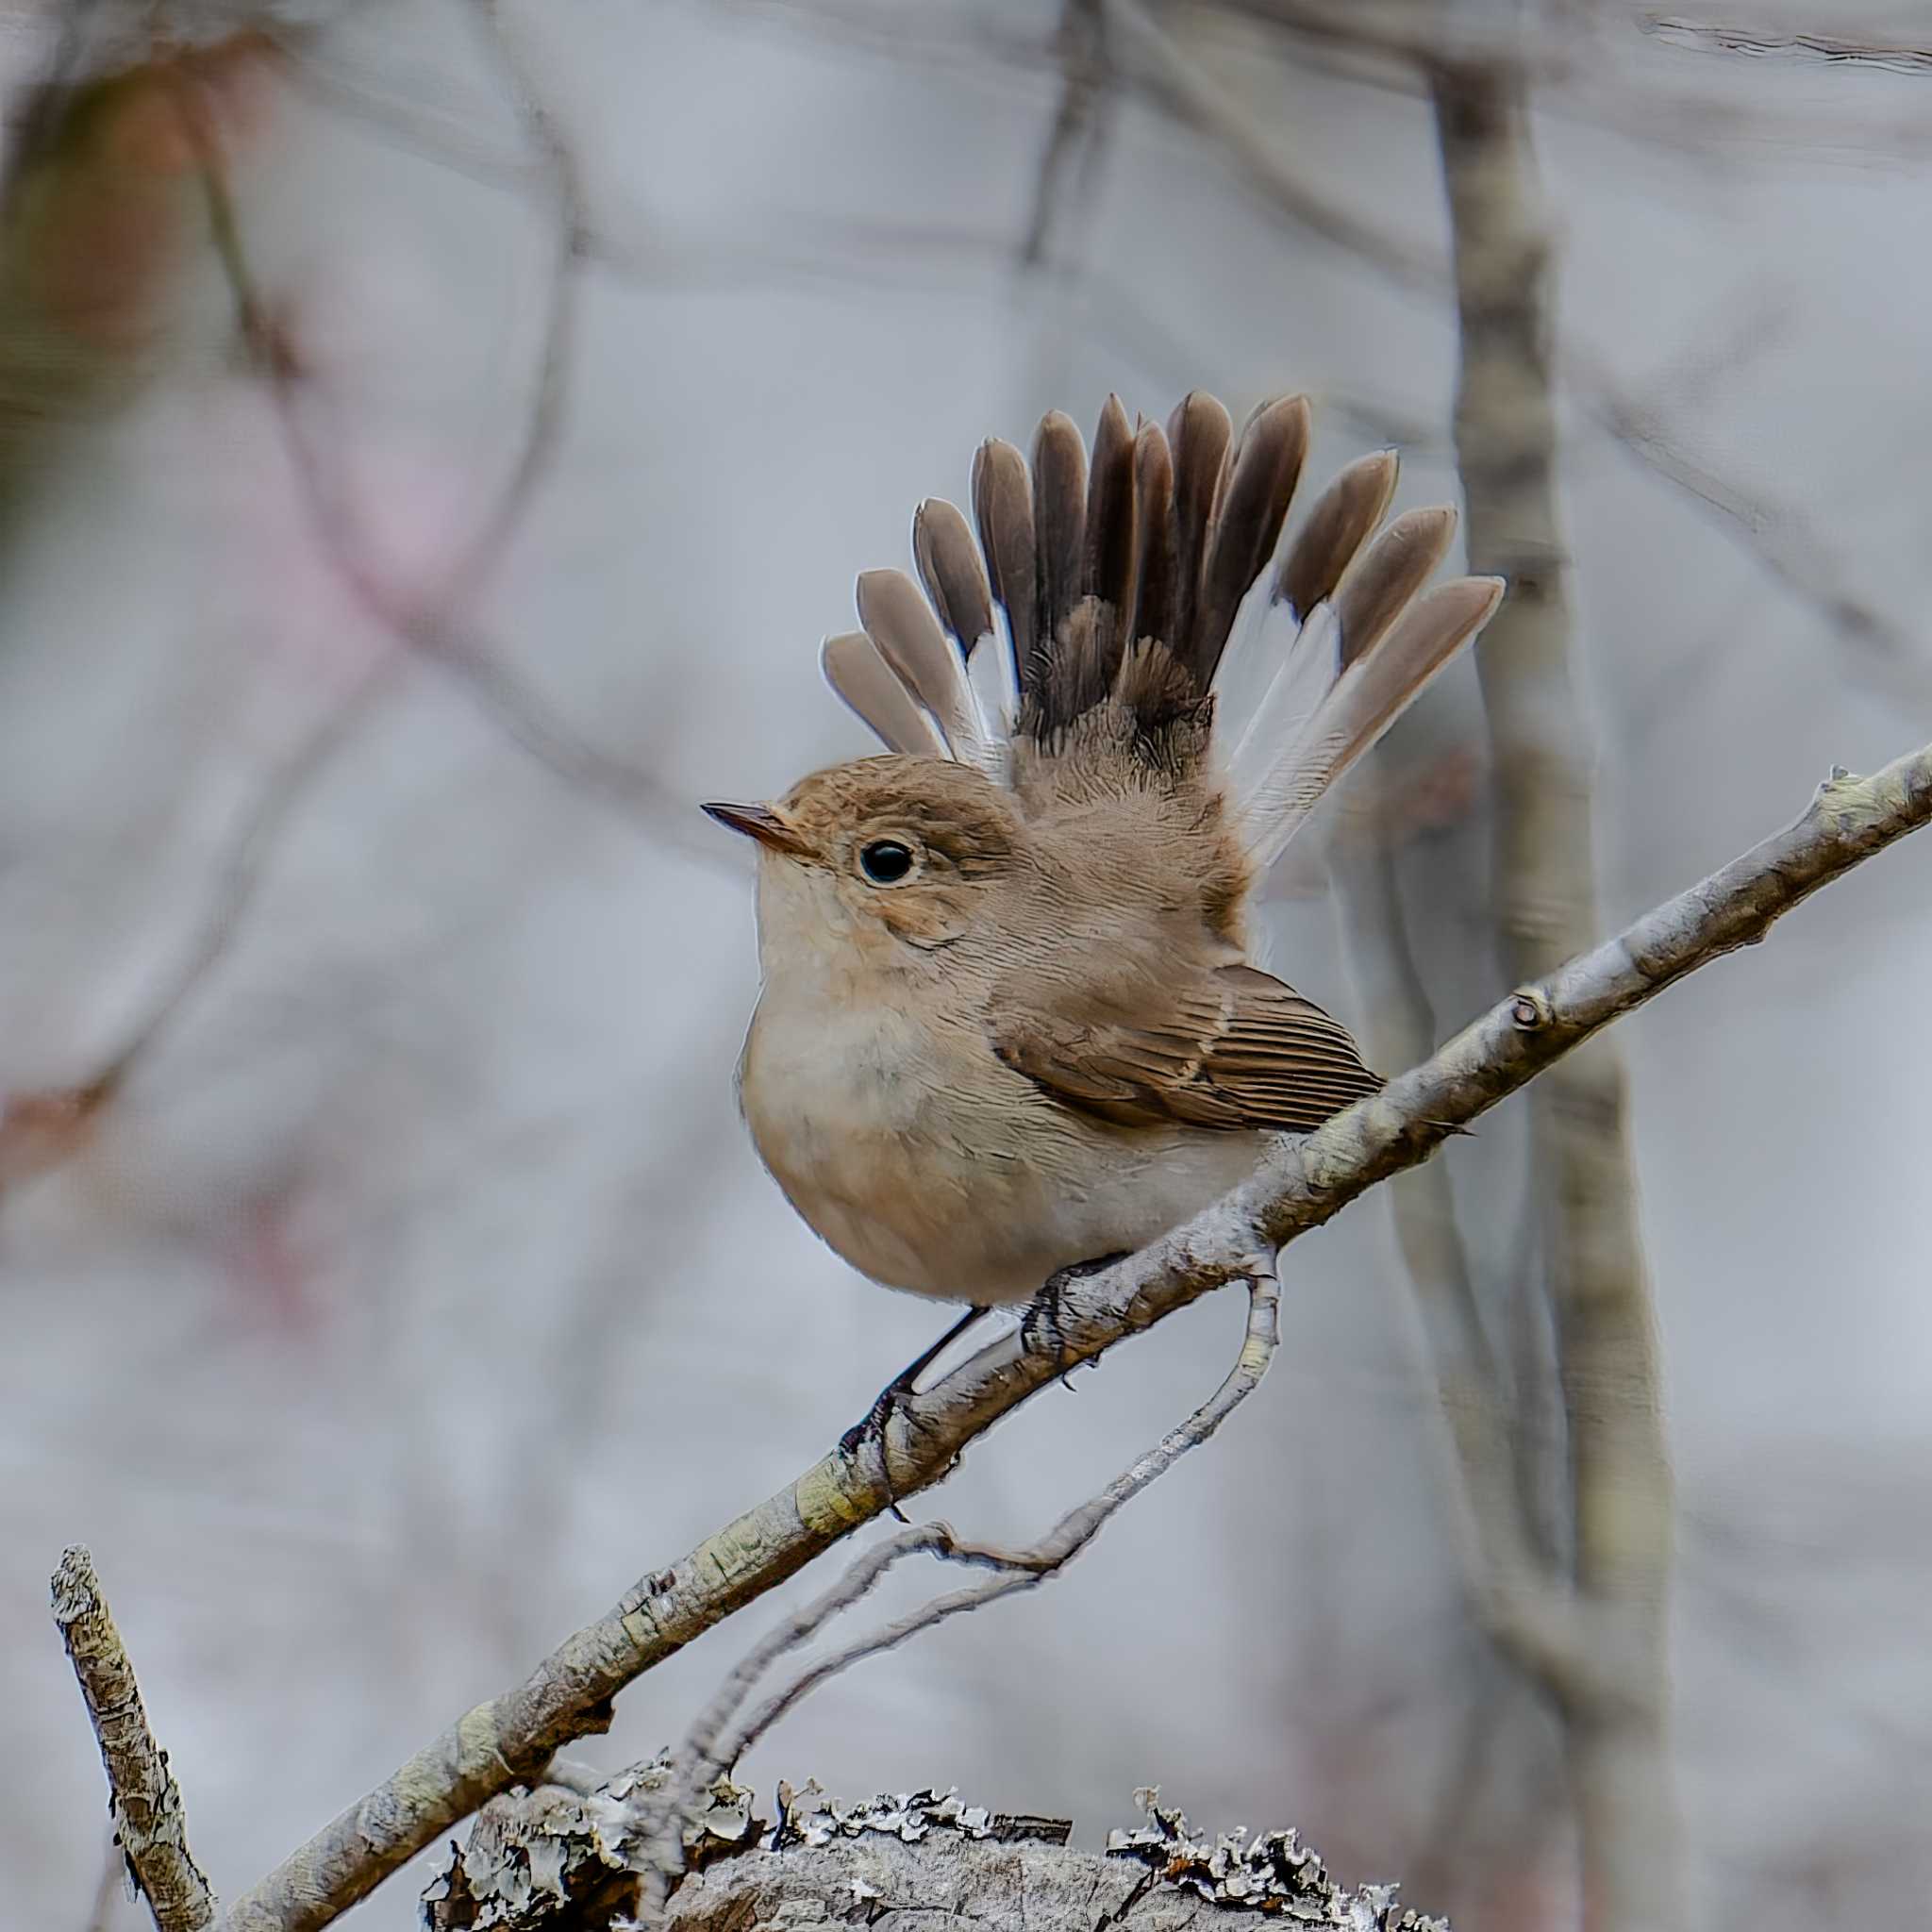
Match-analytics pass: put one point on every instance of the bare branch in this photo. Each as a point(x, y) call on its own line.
point(1304, 1184)
point(254, 844)
point(1780, 537)
point(145, 1800)
point(1076, 131)
point(41, 1130)
point(1193, 96)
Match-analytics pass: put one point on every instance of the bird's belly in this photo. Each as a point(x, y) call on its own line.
point(963, 1182)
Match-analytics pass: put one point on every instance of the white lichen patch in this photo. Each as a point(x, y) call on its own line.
point(806, 1816)
point(1272, 1871)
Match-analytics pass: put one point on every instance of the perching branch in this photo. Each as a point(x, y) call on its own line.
point(1304, 1184)
point(144, 1799)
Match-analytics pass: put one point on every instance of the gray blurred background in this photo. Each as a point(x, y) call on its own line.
point(408, 1286)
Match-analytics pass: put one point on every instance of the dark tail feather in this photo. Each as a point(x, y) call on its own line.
point(1387, 574)
point(1198, 433)
point(1003, 508)
point(1059, 527)
point(1254, 506)
point(1337, 526)
point(1154, 564)
point(1111, 524)
point(949, 568)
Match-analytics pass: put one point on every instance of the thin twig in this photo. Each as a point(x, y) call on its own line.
point(1193, 96)
point(1027, 1569)
point(1304, 1184)
point(714, 1744)
point(242, 870)
point(432, 625)
point(1762, 42)
point(412, 125)
point(1081, 44)
point(145, 1800)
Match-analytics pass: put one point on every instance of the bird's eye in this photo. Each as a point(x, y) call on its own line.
point(885, 862)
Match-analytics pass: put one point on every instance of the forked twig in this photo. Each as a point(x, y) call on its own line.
point(715, 1743)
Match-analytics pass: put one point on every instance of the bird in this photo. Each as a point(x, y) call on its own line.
point(1010, 1023)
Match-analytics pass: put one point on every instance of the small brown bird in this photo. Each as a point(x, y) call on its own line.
point(1009, 1022)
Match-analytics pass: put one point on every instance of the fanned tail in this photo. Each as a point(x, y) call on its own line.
point(1141, 591)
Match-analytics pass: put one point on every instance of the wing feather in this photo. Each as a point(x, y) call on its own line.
point(1230, 1049)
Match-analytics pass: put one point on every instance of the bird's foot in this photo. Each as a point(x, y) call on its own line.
point(1042, 1316)
point(896, 1396)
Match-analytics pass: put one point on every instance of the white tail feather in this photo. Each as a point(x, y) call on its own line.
point(990, 671)
point(1368, 697)
point(1308, 656)
point(1256, 642)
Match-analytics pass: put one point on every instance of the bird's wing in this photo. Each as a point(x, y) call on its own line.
point(1226, 1047)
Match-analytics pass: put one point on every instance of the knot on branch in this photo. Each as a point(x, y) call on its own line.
point(1529, 1009)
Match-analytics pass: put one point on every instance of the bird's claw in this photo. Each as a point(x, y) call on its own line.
point(1042, 1316)
point(896, 1398)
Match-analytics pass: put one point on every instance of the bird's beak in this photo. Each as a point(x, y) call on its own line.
point(762, 823)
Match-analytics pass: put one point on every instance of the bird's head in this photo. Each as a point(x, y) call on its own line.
point(881, 855)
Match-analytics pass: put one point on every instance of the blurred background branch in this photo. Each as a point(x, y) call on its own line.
point(1582, 1182)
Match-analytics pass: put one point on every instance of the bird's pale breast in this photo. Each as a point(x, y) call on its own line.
point(930, 1166)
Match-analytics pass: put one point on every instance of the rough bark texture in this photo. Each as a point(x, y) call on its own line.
point(508, 1740)
point(551, 1860)
point(1545, 900)
point(146, 1801)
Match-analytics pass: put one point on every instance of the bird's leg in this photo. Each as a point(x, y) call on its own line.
point(902, 1385)
point(1042, 1316)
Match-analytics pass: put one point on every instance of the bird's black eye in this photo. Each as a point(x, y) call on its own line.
point(885, 862)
